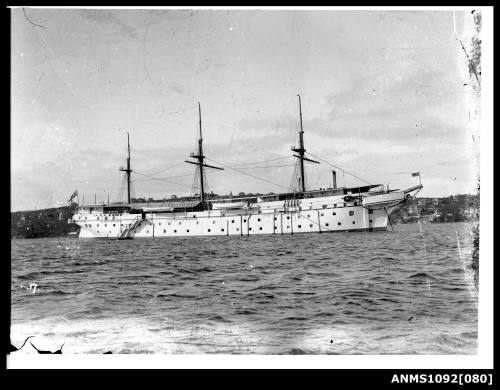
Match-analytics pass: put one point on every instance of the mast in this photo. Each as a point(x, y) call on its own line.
point(201, 161)
point(302, 150)
point(201, 158)
point(128, 170)
point(301, 153)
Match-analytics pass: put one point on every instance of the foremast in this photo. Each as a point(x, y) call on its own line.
point(301, 153)
point(127, 170)
point(201, 161)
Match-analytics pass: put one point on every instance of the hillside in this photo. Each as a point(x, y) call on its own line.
point(42, 223)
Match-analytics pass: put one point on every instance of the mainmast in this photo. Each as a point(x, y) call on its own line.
point(301, 152)
point(201, 161)
point(128, 170)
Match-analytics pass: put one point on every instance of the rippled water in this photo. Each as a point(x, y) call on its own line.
point(394, 292)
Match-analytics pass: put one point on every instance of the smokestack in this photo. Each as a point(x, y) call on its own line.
point(334, 179)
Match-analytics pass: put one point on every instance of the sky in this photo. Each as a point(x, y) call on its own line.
point(384, 94)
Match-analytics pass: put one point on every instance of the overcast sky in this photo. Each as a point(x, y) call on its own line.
point(383, 95)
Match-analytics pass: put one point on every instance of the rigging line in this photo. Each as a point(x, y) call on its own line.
point(343, 170)
point(165, 178)
point(257, 162)
point(163, 170)
point(270, 166)
point(248, 174)
point(166, 181)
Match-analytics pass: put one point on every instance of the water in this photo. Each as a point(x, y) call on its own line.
point(397, 292)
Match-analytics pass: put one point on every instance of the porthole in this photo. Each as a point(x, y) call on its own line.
point(244, 220)
point(371, 221)
point(334, 213)
point(288, 217)
point(175, 231)
point(260, 228)
point(249, 228)
point(353, 222)
point(209, 230)
point(222, 230)
point(164, 230)
point(327, 224)
point(370, 211)
point(187, 231)
point(232, 221)
point(300, 226)
point(322, 214)
point(311, 225)
point(351, 213)
point(339, 223)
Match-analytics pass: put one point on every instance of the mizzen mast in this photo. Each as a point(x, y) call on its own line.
point(201, 161)
point(301, 152)
point(128, 170)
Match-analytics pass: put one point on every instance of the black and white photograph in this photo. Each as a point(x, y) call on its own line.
point(243, 184)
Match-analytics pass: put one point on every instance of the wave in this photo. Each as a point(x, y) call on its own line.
point(294, 351)
point(421, 275)
point(218, 318)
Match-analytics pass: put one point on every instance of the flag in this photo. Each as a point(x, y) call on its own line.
point(73, 196)
point(415, 174)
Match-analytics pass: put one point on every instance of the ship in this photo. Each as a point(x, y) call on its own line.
point(363, 208)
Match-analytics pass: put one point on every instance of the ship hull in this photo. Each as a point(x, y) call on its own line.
point(233, 223)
